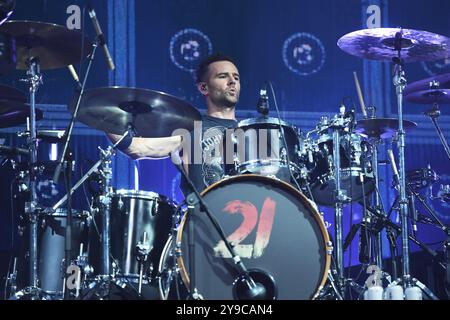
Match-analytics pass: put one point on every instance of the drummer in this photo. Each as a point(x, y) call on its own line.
point(217, 79)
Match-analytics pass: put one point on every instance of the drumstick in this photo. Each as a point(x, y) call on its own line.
point(360, 96)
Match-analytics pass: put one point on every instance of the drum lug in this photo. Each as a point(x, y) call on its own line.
point(329, 247)
point(120, 204)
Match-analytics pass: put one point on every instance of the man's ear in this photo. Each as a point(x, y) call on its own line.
point(202, 88)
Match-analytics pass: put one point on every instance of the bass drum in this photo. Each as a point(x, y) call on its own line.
point(275, 229)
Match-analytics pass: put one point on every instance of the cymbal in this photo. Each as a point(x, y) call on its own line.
point(381, 128)
point(10, 93)
point(151, 113)
point(440, 96)
point(380, 44)
point(54, 45)
point(442, 81)
point(14, 113)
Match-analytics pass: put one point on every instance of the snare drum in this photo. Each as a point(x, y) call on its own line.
point(275, 229)
point(261, 149)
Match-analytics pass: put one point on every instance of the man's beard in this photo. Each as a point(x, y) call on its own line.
point(225, 102)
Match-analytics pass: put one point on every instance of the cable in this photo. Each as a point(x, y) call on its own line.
point(284, 141)
point(7, 276)
point(88, 202)
point(83, 26)
point(12, 210)
point(366, 233)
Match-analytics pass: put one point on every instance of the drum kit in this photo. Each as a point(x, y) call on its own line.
point(131, 240)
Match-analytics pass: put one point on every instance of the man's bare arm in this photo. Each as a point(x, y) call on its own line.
point(149, 147)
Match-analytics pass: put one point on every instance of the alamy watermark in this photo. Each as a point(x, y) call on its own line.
point(236, 145)
point(73, 21)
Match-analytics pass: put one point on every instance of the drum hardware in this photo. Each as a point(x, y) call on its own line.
point(39, 46)
point(434, 94)
point(434, 113)
point(338, 125)
point(11, 280)
point(143, 250)
point(422, 178)
point(399, 46)
point(65, 163)
point(102, 286)
point(443, 193)
point(447, 267)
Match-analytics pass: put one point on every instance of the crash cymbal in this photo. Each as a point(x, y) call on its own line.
point(151, 113)
point(54, 45)
point(381, 44)
point(441, 81)
point(381, 128)
point(14, 113)
point(10, 93)
point(439, 96)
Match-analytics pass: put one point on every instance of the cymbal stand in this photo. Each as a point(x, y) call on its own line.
point(34, 79)
point(434, 113)
point(374, 142)
point(399, 81)
point(105, 203)
point(338, 124)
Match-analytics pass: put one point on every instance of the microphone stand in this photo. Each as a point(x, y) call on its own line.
point(65, 163)
point(255, 291)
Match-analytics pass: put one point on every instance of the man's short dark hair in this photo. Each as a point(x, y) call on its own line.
point(203, 66)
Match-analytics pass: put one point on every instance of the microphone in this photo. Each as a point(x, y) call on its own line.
point(254, 285)
point(394, 168)
point(262, 106)
point(12, 151)
point(74, 76)
point(413, 213)
point(101, 37)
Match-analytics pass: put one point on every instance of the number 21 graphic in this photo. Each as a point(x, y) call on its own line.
point(250, 214)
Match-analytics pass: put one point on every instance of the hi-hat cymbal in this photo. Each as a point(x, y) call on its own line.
point(441, 81)
point(381, 44)
point(439, 96)
point(10, 93)
point(14, 113)
point(151, 113)
point(381, 128)
point(54, 45)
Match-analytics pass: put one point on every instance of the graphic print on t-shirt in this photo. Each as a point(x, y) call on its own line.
point(212, 147)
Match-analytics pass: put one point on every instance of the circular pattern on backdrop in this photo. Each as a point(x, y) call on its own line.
point(303, 54)
point(188, 47)
point(436, 67)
